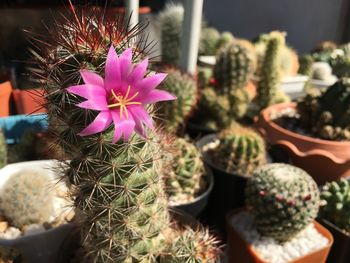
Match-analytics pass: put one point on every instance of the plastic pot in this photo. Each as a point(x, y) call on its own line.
point(195, 207)
point(29, 101)
point(239, 250)
point(340, 251)
point(5, 94)
point(324, 160)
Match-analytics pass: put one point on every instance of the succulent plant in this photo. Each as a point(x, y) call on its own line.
point(208, 41)
point(240, 150)
point(321, 71)
point(3, 150)
point(170, 22)
point(225, 39)
point(184, 87)
point(185, 172)
point(283, 199)
point(268, 88)
point(289, 61)
point(28, 198)
point(327, 115)
point(336, 207)
point(116, 184)
point(306, 63)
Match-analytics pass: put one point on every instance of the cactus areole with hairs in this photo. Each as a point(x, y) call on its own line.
point(120, 97)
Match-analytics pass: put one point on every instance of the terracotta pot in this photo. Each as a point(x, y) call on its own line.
point(29, 101)
point(340, 252)
point(324, 160)
point(5, 94)
point(239, 250)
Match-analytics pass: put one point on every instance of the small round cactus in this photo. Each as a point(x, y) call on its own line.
point(185, 178)
point(336, 196)
point(28, 198)
point(321, 71)
point(208, 41)
point(184, 87)
point(241, 150)
point(283, 198)
point(225, 39)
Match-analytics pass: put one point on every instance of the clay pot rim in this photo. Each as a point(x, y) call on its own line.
point(326, 233)
point(265, 116)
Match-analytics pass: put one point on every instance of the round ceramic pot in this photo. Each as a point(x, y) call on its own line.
point(195, 207)
point(42, 247)
point(239, 250)
point(324, 160)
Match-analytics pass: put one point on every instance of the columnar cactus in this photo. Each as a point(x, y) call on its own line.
point(3, 150)
point(170, 23)
point(268, 90)
point(329, 118)
point(306, 63)
point(96, 98)
point(336, 209)
point(225, 39)
point(184, 174)
point(284, 199)
point(184, 87)
point(240, 150)
point(208, 41)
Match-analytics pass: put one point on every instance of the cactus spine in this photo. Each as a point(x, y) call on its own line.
point(284, 199)
point(241, 150)
point(185, 178)
point(117, 188)
point(268, 91)
point(336, 196)
point(184, 88)
point(3, 150)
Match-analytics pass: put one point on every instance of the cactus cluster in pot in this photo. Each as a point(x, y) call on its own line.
point(184, 172)
point(238, 150)
point(283, 199)
point(228, 100)
point(336, 206)
point(327, 115)
point(100, 95)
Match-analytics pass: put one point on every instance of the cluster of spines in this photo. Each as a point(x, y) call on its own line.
point(284, 199)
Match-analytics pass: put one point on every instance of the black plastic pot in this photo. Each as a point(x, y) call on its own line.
point(228, 190)
point(340, 251)
point(195, 207)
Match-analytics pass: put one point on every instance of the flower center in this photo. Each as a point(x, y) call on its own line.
point(123, 101)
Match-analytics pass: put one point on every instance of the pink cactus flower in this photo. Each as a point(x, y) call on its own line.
point(121, 97)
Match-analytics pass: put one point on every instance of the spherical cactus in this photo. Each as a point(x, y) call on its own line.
point(184, 175)
point(241, 150)
point(184, 87)
point(289, 61)
point(3, 150)
point(28, 198)
point(284, 199)
point(170, 22)
point(321, 71)
point(336, 207)
point(208, 41)
point(225, 39)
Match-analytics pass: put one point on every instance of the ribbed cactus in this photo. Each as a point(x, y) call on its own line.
point(116, 184)
point(283, 198)
point(329, 116)
point(268, 89)
point(336, 209)
point(225, 39)
point(184, 87)
point(170, 23)
point(3, 150)
point(306, 63)
point(28, 198)
point(241, 150)
point(184, 174)
point(208, 41)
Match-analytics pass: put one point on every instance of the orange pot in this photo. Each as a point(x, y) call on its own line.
point(240, 251)
point(29, 101)
point(5, 94)
point(324, 160)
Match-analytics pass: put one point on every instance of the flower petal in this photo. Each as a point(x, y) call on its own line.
point(138, 72)
point(157, 95)
point(87, 91)
point(97, 103)
point(141, 115)
point(99, 124)
point(92, 78)
point(122, 126)
point(112, 70)
point(125, 63)
point(147, 84)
